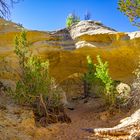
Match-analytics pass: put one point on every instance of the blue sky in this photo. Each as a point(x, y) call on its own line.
point(51, 14)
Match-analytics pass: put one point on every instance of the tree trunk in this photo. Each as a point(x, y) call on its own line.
point(128, 129)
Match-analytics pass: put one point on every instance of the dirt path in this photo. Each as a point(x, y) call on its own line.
point(17, 123)
point(87, 115)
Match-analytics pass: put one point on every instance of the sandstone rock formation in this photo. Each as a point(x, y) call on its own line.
point(121, 50)
point(66, 41)
point(94, 34)
point(66, 50)
point(9, 26)
point(124, 91)
point(134, 35)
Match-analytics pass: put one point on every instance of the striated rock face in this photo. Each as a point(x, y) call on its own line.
point(89, 27)
point(94, 34)
point(67, 49)
point(134, 35)
point(66, 40)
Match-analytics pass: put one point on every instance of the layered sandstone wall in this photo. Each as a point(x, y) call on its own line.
point(67, 49)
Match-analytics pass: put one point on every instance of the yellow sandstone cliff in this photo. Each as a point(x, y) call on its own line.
point(67, 49)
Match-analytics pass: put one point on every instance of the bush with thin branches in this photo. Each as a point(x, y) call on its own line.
point(36, 87)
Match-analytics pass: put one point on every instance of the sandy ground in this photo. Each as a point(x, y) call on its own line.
point(92, 114)
point(17, 123)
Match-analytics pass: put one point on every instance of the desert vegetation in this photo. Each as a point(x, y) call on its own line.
point(131, 9)
point(36, 87)
point(70, 83)
point(71, 19)
point(98, 82)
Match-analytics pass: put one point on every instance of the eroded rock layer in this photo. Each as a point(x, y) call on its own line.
point(67, 49)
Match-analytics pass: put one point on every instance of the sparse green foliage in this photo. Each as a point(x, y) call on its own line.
point(102, 73)
point(71, 19)
point(36, 87)
point(35, 78)
point(131, 8)
point(89, 77)
point(22, 49)
point(98, 74)
point(90, 74)
point(34, 82)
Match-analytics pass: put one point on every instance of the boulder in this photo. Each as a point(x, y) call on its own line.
point(124, 92)
point(123, 88)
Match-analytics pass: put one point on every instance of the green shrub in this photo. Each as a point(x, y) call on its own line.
point(36, 87)
point(71, 19)
point(89, 76)
point(102, 73)
point(130, 8)
point(97, 77)
point(35, 79)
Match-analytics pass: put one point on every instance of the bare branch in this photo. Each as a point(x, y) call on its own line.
point(5, 7)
